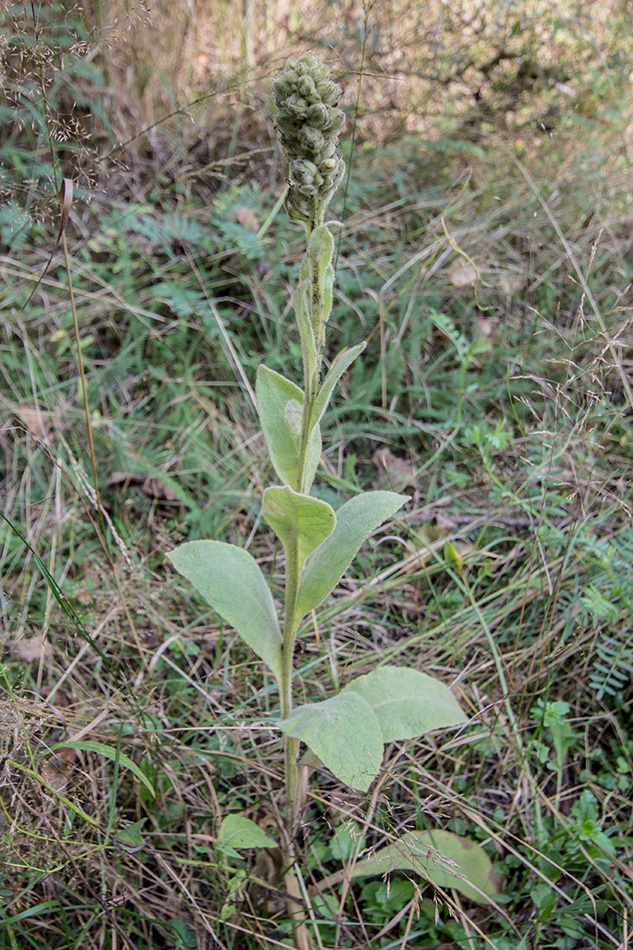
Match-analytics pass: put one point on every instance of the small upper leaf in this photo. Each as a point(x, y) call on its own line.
point(306, 333)
point(320, 249)
point(407, 703)
point(280, 405)
point(342, 361)
point(344, 733)
point(320, 279)
point(441, 857)
point(230, 579)
point(355, 521)
point(291, 514)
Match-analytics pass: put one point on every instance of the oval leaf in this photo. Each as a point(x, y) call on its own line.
point(231, 581)
point(344, 733)
point(87, 745)
point(292, 515)
point(444, 859)
point(238, 832)
point(407, 703)
point(355, 521)
point(280, 403)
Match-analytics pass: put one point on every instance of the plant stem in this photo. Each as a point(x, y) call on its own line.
point(294, 795)
point(294, 800)
point(311, 379)
point(291, 746)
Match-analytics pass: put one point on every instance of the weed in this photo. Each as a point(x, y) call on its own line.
point(347, 732)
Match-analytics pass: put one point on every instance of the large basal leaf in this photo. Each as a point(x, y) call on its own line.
point(231, 581)
point(342, 361)
point(280, 406)
point(407, 703)
point(441, 857)
point(344, 733)
point(291, 515)
point(355, 521)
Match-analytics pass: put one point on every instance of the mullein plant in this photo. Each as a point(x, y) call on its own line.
point(346, 733)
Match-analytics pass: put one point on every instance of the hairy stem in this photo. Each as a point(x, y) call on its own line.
point(294, 798)
point(294, 793)
point(291, 746)
point(294, 804)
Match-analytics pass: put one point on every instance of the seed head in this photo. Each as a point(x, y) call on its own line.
point(309, 125)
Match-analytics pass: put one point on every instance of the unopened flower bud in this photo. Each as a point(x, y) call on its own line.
point(318, 116)
point(307, 88)
point(309, 124)
point(303, 172)
point(311, 140)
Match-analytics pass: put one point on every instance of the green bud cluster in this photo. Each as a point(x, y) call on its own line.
point(309, 125)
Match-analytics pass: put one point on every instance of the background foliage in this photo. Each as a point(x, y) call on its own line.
point(486, 256)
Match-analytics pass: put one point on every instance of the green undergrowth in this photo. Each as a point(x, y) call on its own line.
point(493, 391)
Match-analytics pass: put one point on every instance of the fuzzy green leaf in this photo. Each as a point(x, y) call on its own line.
point(320, 250)
point(238, 832)
point(441, 857)
point(280, 406)
point(327, 293)
point(306, 333)
point(355, 521)
point(344, 733)
point(231, 581)
point(321, 276)
point(342, 361)
point(291, 514)
point(407, 703)
point(317, 275)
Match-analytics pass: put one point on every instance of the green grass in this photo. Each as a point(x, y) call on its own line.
point(508, 400)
